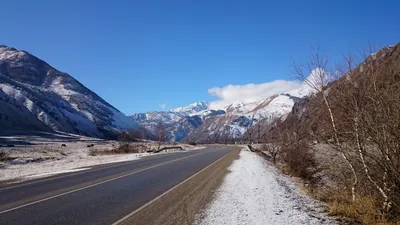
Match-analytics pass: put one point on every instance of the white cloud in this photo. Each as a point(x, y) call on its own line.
point(163, 106)
point(249, 92)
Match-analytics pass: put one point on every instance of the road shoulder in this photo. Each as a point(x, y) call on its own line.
point(255, 192)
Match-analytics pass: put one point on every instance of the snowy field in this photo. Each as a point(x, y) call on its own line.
point(256, 193)
point(33, 157)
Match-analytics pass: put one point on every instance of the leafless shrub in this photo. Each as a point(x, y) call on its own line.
point(273, 150)
point(123, 148)
point(126, 149)
point(94, 151)
point(300, 161)
point(4, 156)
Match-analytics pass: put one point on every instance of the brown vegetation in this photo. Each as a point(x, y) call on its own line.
point(358, 116)
point(123, 148)
point(3, 156)
point(161, 134)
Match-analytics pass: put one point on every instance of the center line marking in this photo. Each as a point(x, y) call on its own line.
point(170, 190)
point(93, 185)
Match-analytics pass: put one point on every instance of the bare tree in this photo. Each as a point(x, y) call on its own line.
point(273, 149)
point(226, 139)
point(367, 103)
point(375, 105)
point(161, 134)
point(317, 75)
point(259, 126)
point(143, 132)
point(216, 137)
point(250, 132)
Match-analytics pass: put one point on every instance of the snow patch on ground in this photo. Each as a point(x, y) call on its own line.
point(36, 156)
point(26, 171)
point(255, 192)
point(56, 172)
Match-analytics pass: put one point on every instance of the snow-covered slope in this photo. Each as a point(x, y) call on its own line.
point(192, 108)
point(49, 100)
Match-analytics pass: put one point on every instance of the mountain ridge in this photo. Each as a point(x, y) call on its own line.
point(31, 88)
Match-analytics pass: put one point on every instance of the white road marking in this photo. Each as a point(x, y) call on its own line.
point(96, 184)
point(58, 177)
point(165, 193)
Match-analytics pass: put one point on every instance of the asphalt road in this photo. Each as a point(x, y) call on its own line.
point(102, 195)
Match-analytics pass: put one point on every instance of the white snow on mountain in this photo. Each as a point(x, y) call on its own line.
point(242, 115)
point(273, 108)
point(177, 122)
point(192, 108)
point(234, 119)
point(36, 96)
point(315, 80)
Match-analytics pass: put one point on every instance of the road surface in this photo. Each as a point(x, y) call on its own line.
point(102, 195)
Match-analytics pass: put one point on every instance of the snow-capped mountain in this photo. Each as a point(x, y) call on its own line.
point(192, 108)
point(239, 117)
point(197, 123)
point(177, 122)
point(173, 115)
point(36, 96)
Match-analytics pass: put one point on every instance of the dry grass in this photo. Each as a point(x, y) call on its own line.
point(121, 149)
point(363, 210)
point(366, 209)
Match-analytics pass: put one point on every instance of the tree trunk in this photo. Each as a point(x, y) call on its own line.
point(340, 147)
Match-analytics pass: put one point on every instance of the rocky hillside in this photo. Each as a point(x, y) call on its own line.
point(379, 70)
point(36, 96)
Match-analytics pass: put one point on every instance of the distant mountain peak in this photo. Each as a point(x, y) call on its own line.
point(192, 108)
point(8, 53)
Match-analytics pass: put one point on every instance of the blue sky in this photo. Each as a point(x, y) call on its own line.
point(138, 54)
